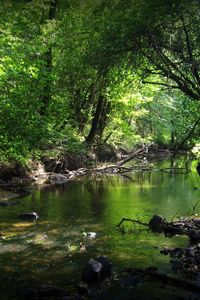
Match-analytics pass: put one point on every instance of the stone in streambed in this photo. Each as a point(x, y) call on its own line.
point(107, 267)
point(29, 216)
point(97, 270)
point(92, 271)
point(194, 235)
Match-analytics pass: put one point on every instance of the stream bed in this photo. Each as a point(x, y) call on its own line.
point(55, 248)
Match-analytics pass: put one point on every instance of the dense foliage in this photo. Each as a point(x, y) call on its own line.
point(76, 73)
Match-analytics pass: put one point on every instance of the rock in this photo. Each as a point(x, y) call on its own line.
point(190, 252)
point(90, 234)
point(107, 267)
point(194, 235)
point(157, 223)
point(176, 252)
point(97, 270)
point(176, 265)
point(92, 271)
point(29, 216)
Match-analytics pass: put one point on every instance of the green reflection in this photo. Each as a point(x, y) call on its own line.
point(49, 250)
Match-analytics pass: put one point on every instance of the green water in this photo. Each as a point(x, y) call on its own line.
point(48, 250)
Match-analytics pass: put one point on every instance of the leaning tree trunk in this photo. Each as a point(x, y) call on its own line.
point(103, 119)
point(181, 144)
point(96, 120)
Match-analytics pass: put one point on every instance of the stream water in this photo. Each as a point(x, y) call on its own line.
point(48, 250)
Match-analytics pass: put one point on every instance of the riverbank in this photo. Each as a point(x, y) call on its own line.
point(17, 179)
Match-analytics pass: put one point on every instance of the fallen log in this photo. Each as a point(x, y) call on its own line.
point(130, 157)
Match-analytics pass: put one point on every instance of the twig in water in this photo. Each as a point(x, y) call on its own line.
point(133, 221)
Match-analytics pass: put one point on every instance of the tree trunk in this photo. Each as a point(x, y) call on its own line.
point(47, 92)
point(88, 101)
point(103, 119)
point(181, 144)
point(96, 119)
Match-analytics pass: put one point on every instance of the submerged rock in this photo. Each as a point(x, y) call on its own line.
point(29, 216)
point(97, 270)
point(92, 271)
point(194, 235)
point(185, 261)
point(107, 267)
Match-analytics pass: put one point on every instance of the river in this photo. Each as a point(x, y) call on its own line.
point(48, 250)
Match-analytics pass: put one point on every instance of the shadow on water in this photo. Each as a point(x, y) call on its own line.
point(48, 250)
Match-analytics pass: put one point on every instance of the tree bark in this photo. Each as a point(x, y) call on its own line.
point(96, 119)
point(181, 144)
point(47, 91)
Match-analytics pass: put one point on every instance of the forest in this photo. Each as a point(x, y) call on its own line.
point(76, 74)
point(99, 149)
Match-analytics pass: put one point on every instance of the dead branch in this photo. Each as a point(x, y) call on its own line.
point(133, 221)
point(130, 157)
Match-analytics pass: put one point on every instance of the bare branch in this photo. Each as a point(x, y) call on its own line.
point(133, 221)
point(163, 84)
